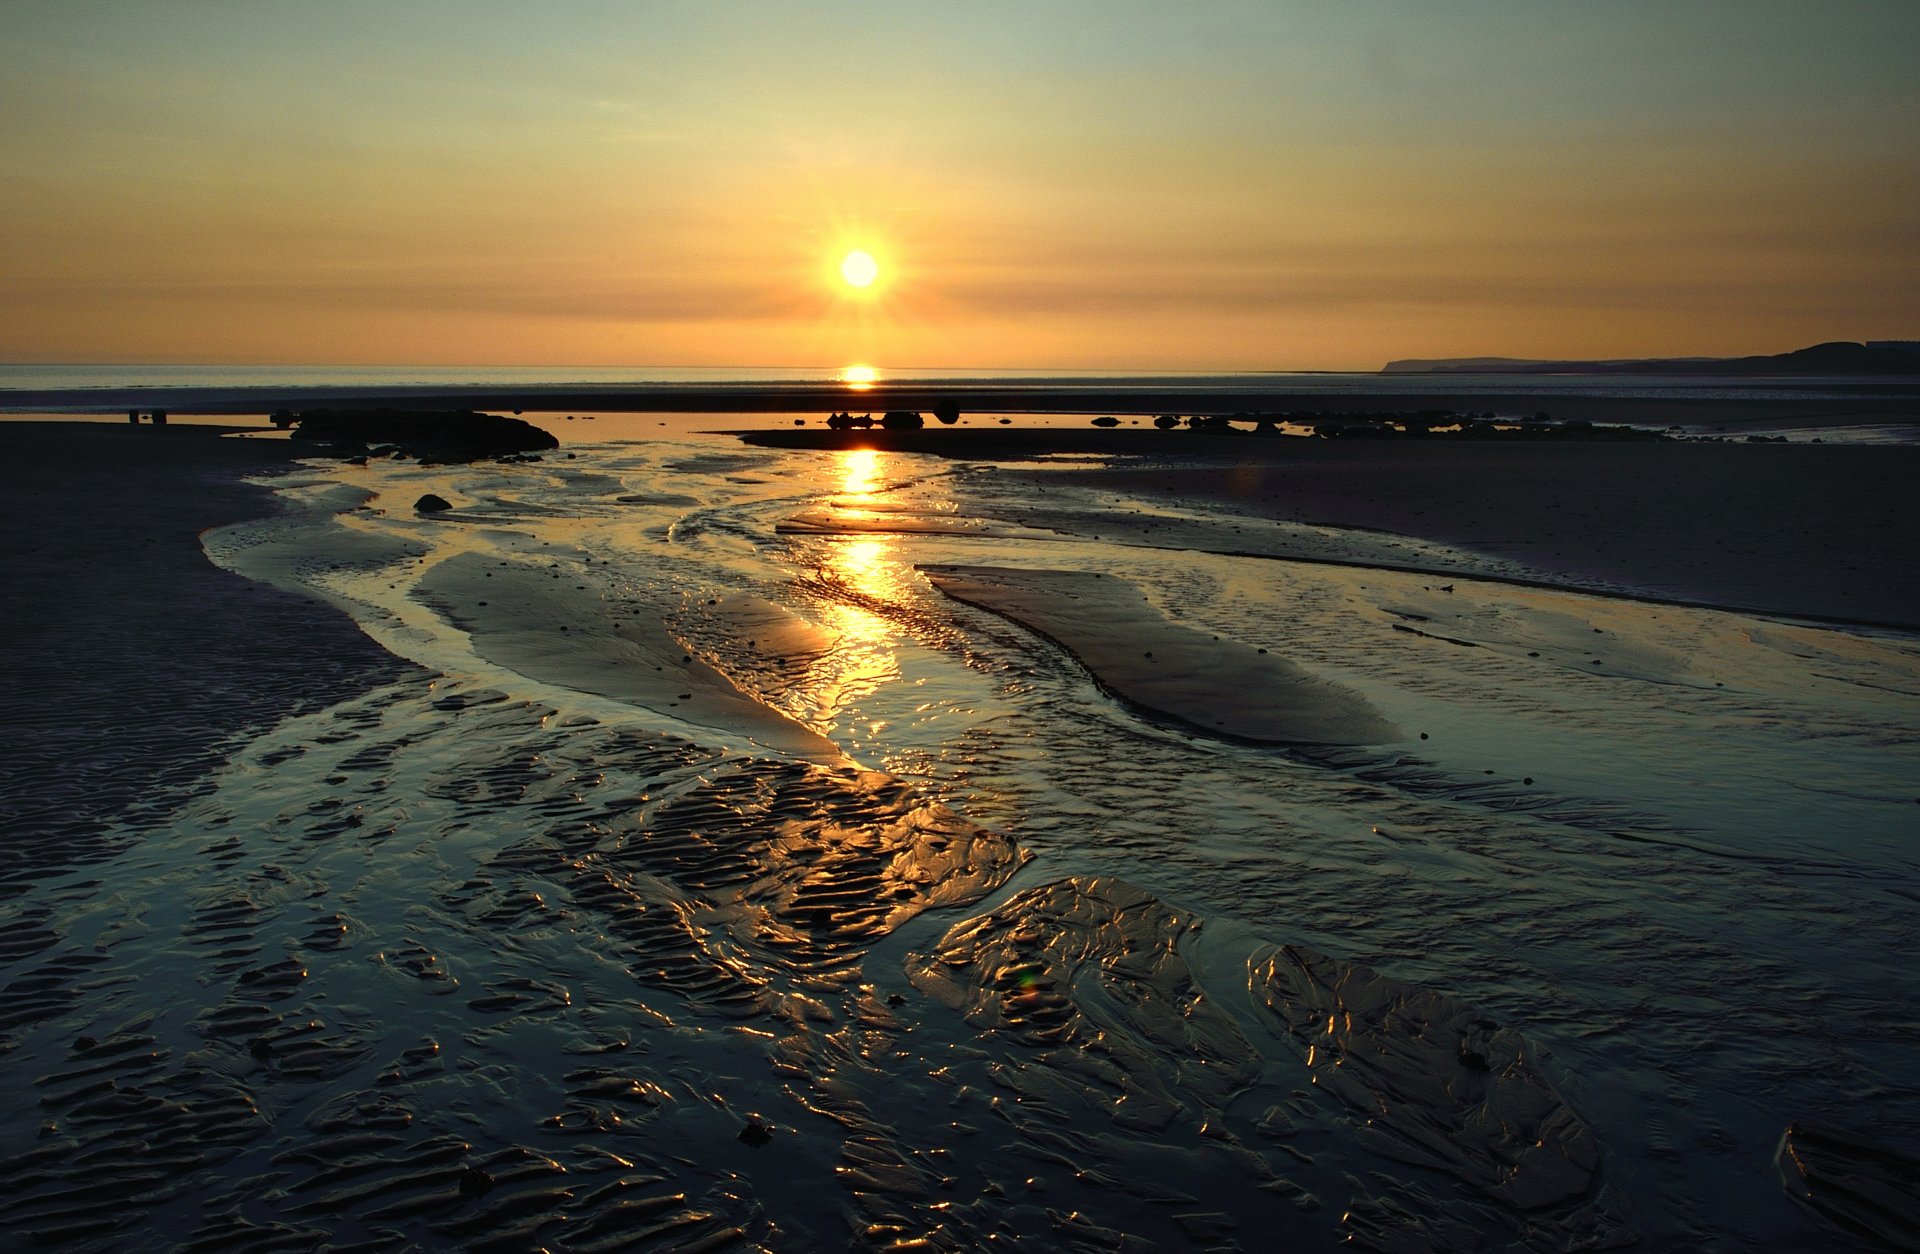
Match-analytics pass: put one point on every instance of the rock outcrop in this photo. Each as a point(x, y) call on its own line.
point(431, 435)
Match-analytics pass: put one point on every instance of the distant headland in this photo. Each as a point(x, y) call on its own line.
point(1840, 357)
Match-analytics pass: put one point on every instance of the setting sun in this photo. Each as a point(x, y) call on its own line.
point(859, 268)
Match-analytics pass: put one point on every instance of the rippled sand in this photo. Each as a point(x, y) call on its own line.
point(706, 878)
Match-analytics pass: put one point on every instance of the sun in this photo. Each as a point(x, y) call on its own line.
point(859, 268)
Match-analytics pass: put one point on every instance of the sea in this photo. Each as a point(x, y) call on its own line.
point(711, 880)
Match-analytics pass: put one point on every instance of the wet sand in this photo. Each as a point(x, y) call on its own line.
point(130, 659)
point(1825, 532)
point(1219, 687)
point(790, 903)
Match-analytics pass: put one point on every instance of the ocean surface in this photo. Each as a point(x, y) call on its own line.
point(714, 881)
point(211, 378)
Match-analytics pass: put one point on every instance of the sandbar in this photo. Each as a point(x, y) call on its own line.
point(1221, 687)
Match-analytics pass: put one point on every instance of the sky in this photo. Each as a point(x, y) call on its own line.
point(1106, 185)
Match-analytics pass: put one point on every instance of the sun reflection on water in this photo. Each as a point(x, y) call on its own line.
point(865, 576)
point(860, 471)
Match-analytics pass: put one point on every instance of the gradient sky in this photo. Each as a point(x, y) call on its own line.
point(1103, 185)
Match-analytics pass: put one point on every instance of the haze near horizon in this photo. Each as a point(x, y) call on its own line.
point(1115, 185)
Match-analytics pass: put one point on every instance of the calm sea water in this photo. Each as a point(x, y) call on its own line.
point(120, 377)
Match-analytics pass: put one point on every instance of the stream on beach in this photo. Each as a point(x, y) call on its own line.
point(714, 881)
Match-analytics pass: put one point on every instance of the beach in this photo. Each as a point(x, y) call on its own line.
point(828, 840)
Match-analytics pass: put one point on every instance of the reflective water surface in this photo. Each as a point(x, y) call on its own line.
point(716, 882)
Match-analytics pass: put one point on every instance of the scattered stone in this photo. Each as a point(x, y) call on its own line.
point(432, 503)
point(755, 1134)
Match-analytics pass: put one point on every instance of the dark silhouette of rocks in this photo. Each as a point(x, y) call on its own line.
point(846, 422)
point(432, 503)
point(430, 435)
point(903, 420)
point(1106, 420)
point(946, 415)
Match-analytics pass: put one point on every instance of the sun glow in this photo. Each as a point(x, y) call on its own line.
point(859, 269)
point(859, 378)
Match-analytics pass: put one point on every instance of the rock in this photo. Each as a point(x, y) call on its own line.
point(902, 420)
point(946, 415)
point(1106, 420)
point(1167, 422)
point(431, 435)
point(755, 1134)
point(432, 504)
point(474, 1182)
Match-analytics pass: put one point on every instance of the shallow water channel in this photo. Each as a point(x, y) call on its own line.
point(717, 882)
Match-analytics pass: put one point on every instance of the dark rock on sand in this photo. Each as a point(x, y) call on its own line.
point(432, 503)
point(902, 420)
point(430, 435)
point(1107, 420)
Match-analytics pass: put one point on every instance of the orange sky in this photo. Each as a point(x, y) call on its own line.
point(1260, 186)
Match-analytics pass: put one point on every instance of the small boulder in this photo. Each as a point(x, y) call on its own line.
point(432, 503)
